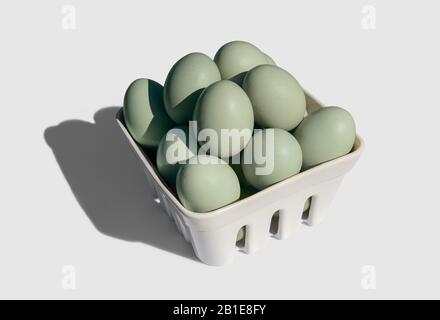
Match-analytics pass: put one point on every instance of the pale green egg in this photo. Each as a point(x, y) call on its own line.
point(236, 58)
point(246, 189)
point(144, 112)
point(175, 149)
point(277, 98)
point(272, 155)
point(207, 185)
point(184, 84)
point(225, 119)
point(325, 134)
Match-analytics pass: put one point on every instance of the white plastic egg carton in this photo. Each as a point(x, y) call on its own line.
point(213, 235)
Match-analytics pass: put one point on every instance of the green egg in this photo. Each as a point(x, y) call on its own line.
point(325, 134)
point(144, 112)
point(236, 58)
point(224, 111)
point(272, 155)
point(207, 185)
point(246, 189)
point(175, 148)
point(184, 84)
point(277, 98)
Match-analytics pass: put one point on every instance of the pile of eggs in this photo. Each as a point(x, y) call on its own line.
point(242, 89)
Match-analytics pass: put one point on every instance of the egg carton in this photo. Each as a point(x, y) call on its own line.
point(213, 235)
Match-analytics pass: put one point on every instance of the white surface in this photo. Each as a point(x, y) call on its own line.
point(386, 213)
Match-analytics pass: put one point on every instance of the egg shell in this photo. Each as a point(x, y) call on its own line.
point(236, 58)
point(246, 189)
point(224, 105)
point(325, 134)
point(269, 59)
point(207, 185)
point(144, 112)
point(175, 148)
point(184, 84)
point(277, 98)
point(283, 158)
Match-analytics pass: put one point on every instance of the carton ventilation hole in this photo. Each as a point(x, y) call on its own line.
point(306, 213)
point(241, 238)
point(275, 224)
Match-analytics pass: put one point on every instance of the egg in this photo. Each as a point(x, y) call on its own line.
point(185, 82)
point(207, 185)
point(269, 59)
point(246, 189)
point(277, 98)
point(272, 155)
point(325, 134)
point(225, 119)
point(144, 112)
point(236, 58)
point(175, 148)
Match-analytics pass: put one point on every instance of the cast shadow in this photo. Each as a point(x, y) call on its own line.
point(109, 184)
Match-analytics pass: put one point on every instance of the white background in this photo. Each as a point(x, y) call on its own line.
point(73, 194)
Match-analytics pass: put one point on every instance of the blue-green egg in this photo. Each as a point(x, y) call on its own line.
point(207, 185)
point(273, 155)
point(144, 112)
point(225, 119)
point(325, 134)
point(175, 149)
point(184, 84)
point(277, 98)
point(236, 58)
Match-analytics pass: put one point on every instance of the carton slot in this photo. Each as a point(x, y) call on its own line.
point(275, 224)
point(241, 244)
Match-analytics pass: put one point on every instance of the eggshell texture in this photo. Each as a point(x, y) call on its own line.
point(325, 134)
point(208, 185)
point(285, 159)
point(185, 82)
point(269, 60)
point(236, 58)
point(224, 105)
point(246, 189)
point(277, 98)
point(144, 112)
point(175, 148)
